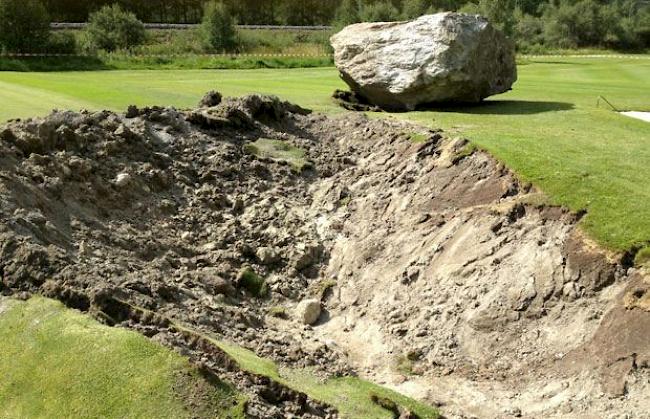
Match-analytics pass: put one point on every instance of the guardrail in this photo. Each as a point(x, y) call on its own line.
point(267, 55)
point(186, 26)
point(232, 56)
point(619, 56)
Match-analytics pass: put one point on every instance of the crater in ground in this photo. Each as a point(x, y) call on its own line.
point(439, 273)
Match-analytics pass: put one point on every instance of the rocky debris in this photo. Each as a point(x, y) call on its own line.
point(308, 311)
point(445, 57)
point(353, 102)
point(210, 99)
point(439, 254)
point(267, 255)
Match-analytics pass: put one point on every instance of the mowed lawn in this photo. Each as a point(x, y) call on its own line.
point(59, 363)
point(549, 129)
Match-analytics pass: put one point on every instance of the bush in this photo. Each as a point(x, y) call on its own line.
point(528, 31)
point(62, 43)
point(574, 24)
point(355, 11)
point(24, 26)
point(499, 12)
point(218, 28)
point(111, 28)
point(382, 11)
point(412, 9)
point(348, 12)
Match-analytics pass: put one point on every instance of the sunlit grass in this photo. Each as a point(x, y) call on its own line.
point(550, 129)
point(58, 363)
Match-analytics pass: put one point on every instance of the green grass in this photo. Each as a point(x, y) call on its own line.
point(120, 61)
point(248, 41)
point(417, 137)
point(350, 395)
point(56, 363)
point(643, 257)
point(253, 283)
point(548, 129)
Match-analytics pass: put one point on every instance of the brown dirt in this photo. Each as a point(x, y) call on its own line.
point(445, 277)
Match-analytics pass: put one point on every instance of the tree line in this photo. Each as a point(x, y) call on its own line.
point(535, 25)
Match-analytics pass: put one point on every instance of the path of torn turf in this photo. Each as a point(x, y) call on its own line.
point(180, 225)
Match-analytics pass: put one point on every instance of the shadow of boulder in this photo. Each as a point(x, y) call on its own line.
point(501, 107)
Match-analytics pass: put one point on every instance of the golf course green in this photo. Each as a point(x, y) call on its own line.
point(552, 129)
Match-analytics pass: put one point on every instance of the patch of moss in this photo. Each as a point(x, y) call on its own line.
point(278, 311)
point(279, 151)
point(253, 283)
point(642, 257)
point(324, 286)
point(404, 365)
point(466, 151)
point(344, 202)
point(416, 137)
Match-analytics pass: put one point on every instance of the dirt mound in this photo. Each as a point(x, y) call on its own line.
point(440, 273)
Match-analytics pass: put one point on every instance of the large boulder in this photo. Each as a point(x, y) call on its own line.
point(445, 57)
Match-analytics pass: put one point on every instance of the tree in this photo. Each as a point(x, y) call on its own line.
point(218, 27)
point(381, 11)
point(348, 12)
point(24, 26)
point(307, 12)
point(570, 24)
point(112, 28)
point(412, 9)
point(499, 12)
point(528, 30)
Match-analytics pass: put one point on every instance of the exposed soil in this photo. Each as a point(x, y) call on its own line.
point(441, 275)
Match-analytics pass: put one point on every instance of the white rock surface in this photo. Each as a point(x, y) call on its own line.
point(644, 116)
point(308, 311)
point(445, 57)
point(123, 180)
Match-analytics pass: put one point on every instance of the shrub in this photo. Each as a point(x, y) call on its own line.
point(382, 11)
point(412, 9)
point(574, 24)
point(111, 28)
point(355, 11)
point(528, 31)
point(218, 27)
point(348, 12)
point(62, 43)
point(24, 26)
point(499, 12)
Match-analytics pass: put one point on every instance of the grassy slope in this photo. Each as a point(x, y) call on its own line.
point(548, 129)
point(550, 132)
point(57, 363)
point(350, 395)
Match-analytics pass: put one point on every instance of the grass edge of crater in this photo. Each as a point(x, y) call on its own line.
point(352, 396)
point(107, 372)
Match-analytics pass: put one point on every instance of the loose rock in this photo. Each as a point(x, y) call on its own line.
point(308, 311)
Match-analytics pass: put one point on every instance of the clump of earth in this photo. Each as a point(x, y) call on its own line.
point(335, 243)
